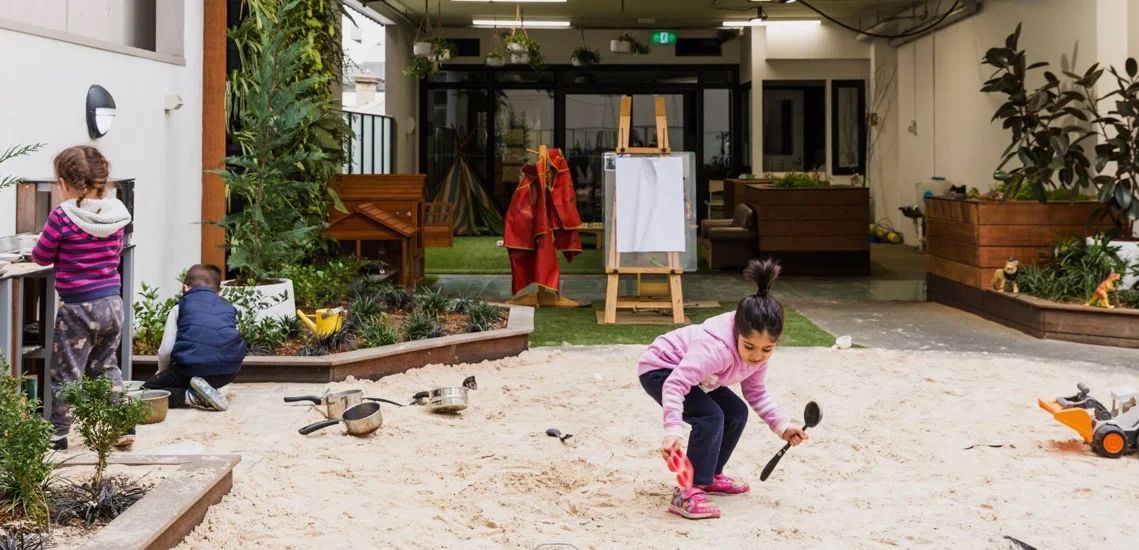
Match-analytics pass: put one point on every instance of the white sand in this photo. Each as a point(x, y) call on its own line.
point(887, 466)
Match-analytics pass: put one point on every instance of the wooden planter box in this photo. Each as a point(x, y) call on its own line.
point(817, 231)
point(967, 240)
point(1041, 318)
point(734, 192)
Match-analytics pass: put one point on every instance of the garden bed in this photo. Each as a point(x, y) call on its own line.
point(1038, 317)
point(375, 363)
point(813, 231)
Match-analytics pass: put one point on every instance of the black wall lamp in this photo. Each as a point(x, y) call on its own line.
point(100, 111)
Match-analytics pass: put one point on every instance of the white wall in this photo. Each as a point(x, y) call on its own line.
point(401, 96)
point(939, 82)
point(161, 151)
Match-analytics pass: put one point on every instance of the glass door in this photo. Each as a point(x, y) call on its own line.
point(524, 119)
point(591, 131)
point(457, 129)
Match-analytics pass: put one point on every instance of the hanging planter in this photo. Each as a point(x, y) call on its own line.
point(523, 49)
point(423, 49)
point(627, 44)
point(495, 59)
point(585, 57)
point(442, 49)
point(421, 67)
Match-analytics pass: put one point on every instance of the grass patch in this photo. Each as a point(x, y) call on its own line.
point(557, 326)
point(472, 255)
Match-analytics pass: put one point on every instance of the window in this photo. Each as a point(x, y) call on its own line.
point(794, 126)
point(133, 27)
point(848, 127)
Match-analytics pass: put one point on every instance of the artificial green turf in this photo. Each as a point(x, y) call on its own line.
point(482, 255)
point(557, 326)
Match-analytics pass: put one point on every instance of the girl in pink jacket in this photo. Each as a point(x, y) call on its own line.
point(689, 371)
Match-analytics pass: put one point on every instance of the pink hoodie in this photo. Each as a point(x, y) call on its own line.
point(708, 353)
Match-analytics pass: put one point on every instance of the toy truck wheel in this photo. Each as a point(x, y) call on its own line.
point(1109, 441)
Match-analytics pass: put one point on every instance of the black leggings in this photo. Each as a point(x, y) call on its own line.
point(178, 384)
point(717, 418)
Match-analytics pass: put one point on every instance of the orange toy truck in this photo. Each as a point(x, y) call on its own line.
point(1110, 432)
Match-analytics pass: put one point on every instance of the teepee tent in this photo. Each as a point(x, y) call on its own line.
point(475, 212)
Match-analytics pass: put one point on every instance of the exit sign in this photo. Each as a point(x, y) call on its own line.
point(664, 38)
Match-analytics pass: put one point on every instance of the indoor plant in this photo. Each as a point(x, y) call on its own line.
point(495, 59)
point(442, 50)
point(585, 56)
point(523, 49)
point(420, 67)
point(626, 43)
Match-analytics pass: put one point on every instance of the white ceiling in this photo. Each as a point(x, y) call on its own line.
point(671, 14)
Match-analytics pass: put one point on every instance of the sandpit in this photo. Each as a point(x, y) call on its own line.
point(888, 466)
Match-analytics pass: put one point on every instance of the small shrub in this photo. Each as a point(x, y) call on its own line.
point(18, 539)
point(800, 180)
point(317, 286)
point(103, 416)
point(24, 466)
point(421, 326)
point(93, 502)
point(376, 331)
point(431, 302)
point(363, 307)
point(261, 337)
point(398, 298)
point(1074, 271)
point(483, 316)
point(459, 304)
point(150, 319)
point(338, 341)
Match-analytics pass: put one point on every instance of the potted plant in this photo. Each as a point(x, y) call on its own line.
point(420, 67)
point(274, 175)
point(423, 48)
point(442, 49)
point(495, 59)
point(584, 56)
point(627, 44)
point(523, 49)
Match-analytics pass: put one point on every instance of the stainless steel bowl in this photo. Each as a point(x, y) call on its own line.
point(158, 402)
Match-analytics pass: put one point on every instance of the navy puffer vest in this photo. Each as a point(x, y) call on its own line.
point(208, 343)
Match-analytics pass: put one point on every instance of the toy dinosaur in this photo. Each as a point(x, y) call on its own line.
point(1099, 298)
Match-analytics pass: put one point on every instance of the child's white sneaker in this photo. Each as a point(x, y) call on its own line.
point(204, 396)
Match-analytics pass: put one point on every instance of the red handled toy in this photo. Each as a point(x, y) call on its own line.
point(678, 462)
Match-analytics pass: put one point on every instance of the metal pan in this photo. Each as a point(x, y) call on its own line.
point(334, 403)
point(447, 399)
point(359, 420)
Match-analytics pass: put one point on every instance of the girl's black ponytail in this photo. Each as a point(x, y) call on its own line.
point(760, 312)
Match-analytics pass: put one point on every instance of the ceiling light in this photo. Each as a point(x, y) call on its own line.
point(779, 23)
point(514, 1)
point(527, 24)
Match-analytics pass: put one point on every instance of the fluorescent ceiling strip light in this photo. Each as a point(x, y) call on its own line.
point(515, 1)
point(529, 23)
point(770, 23)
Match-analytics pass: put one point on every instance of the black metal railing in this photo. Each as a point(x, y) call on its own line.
point(371, 149)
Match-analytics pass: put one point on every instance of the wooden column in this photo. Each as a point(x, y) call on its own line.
point(213, 130)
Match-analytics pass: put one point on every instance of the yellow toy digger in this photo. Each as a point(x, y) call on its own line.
point(1110, 432)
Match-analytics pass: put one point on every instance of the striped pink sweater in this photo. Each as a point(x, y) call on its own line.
point(84, 244)
point(708, 351)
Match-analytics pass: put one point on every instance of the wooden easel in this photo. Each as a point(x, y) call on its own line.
point(544, 297)
point(613, 267)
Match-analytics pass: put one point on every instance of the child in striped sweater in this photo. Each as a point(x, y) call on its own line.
point(83, 238)
point(688, 372)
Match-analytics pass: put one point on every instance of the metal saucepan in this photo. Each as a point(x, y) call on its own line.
point(336, 403)
point(359, 420)
point(448, 399)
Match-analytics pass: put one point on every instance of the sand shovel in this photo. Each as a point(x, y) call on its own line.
point(811, 415)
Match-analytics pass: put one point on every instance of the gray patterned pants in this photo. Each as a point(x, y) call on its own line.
point(86, 339)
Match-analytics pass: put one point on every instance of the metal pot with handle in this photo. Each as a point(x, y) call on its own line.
point(334, 403)
point(359, 420)
point(447, 399)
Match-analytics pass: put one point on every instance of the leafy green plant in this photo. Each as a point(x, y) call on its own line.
point(103, 416)
point(586, 56)
point(24, 466)
point(1044, 141)
point(1073, 272)
point(420, 68)
point(341, 340)
point(443, 49)
point(529, 45)
point(431, 302)
point(800, 180)
point(317, 286)
point(483, 316)
point(275, 176)
point(1118, 130)
point(459, 304)
point(420, 326)
point(376, 331)
point(11, 153)
point(364, 307)
point(398, 298)
point(150, 314)
point(1025, 193)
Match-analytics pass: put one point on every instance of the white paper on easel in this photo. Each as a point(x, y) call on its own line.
point(650, 204)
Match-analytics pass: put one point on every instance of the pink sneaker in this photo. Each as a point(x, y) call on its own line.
point(725, 485)
point(693, 504)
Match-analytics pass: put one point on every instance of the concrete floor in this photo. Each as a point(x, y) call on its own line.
point(887, 310)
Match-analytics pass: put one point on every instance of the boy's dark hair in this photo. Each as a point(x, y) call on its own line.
point(203, 275)
point(760, 312)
